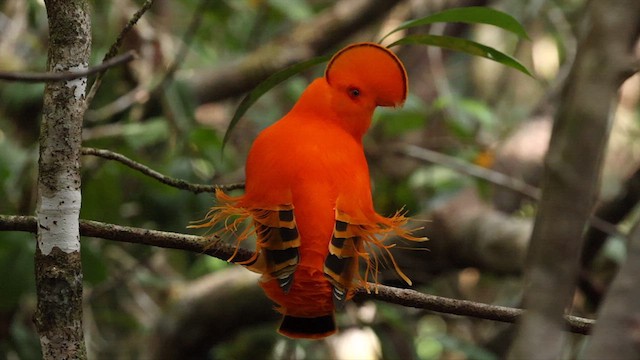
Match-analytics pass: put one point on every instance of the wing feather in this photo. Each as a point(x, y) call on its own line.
point(277, 237)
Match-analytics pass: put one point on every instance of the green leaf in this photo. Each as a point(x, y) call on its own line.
point(268, 84)
point(466, 46)
point(469, 15)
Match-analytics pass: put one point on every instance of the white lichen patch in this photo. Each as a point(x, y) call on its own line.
point(58, 222)
point(78, 85)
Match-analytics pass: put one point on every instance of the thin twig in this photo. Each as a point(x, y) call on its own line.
point(196, 20)
point(160, 90)
point(202, 245)
point(466, 168)
point(496, 178)
point(30, 77)
point(113, 50)
point(137, 95)
point(177, 183)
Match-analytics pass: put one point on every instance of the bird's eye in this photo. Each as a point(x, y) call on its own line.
point(354, 92)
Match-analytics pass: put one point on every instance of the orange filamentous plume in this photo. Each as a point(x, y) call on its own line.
point(230, 218)
point(308, 193)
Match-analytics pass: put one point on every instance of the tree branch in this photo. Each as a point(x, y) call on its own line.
point(612, 212)
point(219, 249)
point(163, 239)
point(496, 178)
point(177, 183)
point(196, 19)
point(616, 336)
point(113, 50)
point(465, 168)
point(415, 299)
point(210, 311)
point(67, 75)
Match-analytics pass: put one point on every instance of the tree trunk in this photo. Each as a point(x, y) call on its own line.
point(58, 268)
point(572, 172)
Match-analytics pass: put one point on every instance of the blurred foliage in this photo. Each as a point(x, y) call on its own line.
point(459, 105)
point(472, 14)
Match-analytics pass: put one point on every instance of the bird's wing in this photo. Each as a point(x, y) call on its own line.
point(341, 262)
point(278, 241)
point(275, 230)
point(363, 238)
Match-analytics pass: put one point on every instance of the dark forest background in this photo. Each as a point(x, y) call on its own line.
point(464, 156)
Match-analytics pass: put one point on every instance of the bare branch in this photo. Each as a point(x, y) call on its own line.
point(612, 212)
point(163, 239)
point(415, 299)
point(138, 95)
point(196, 20)
point(466, 168)
point(177, 183)
point(218, 249)
point(496, 178)
point(160, 89)
point(113, 50)
point(208, 312)
point(67, 75)
point(616, 336)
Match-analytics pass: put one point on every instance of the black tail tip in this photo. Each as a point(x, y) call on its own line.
point(308, 327)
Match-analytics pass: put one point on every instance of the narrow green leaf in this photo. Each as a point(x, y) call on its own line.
point(469, 15)
point(466, 46)
point(268, 84)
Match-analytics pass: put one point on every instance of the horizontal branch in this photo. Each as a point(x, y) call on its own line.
point(177, 183)
point(67, 75)
point(163, 239)
point(415, 299)
point(219, 249)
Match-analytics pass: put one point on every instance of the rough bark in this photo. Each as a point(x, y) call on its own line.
point(572, 171)
point(58, 268)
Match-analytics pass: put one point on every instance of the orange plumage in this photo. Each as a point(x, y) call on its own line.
point(308, 191)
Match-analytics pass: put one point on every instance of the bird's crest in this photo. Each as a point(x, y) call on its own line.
point(373, 65)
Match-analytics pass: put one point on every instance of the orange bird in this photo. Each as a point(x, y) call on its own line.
point(308, 193)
